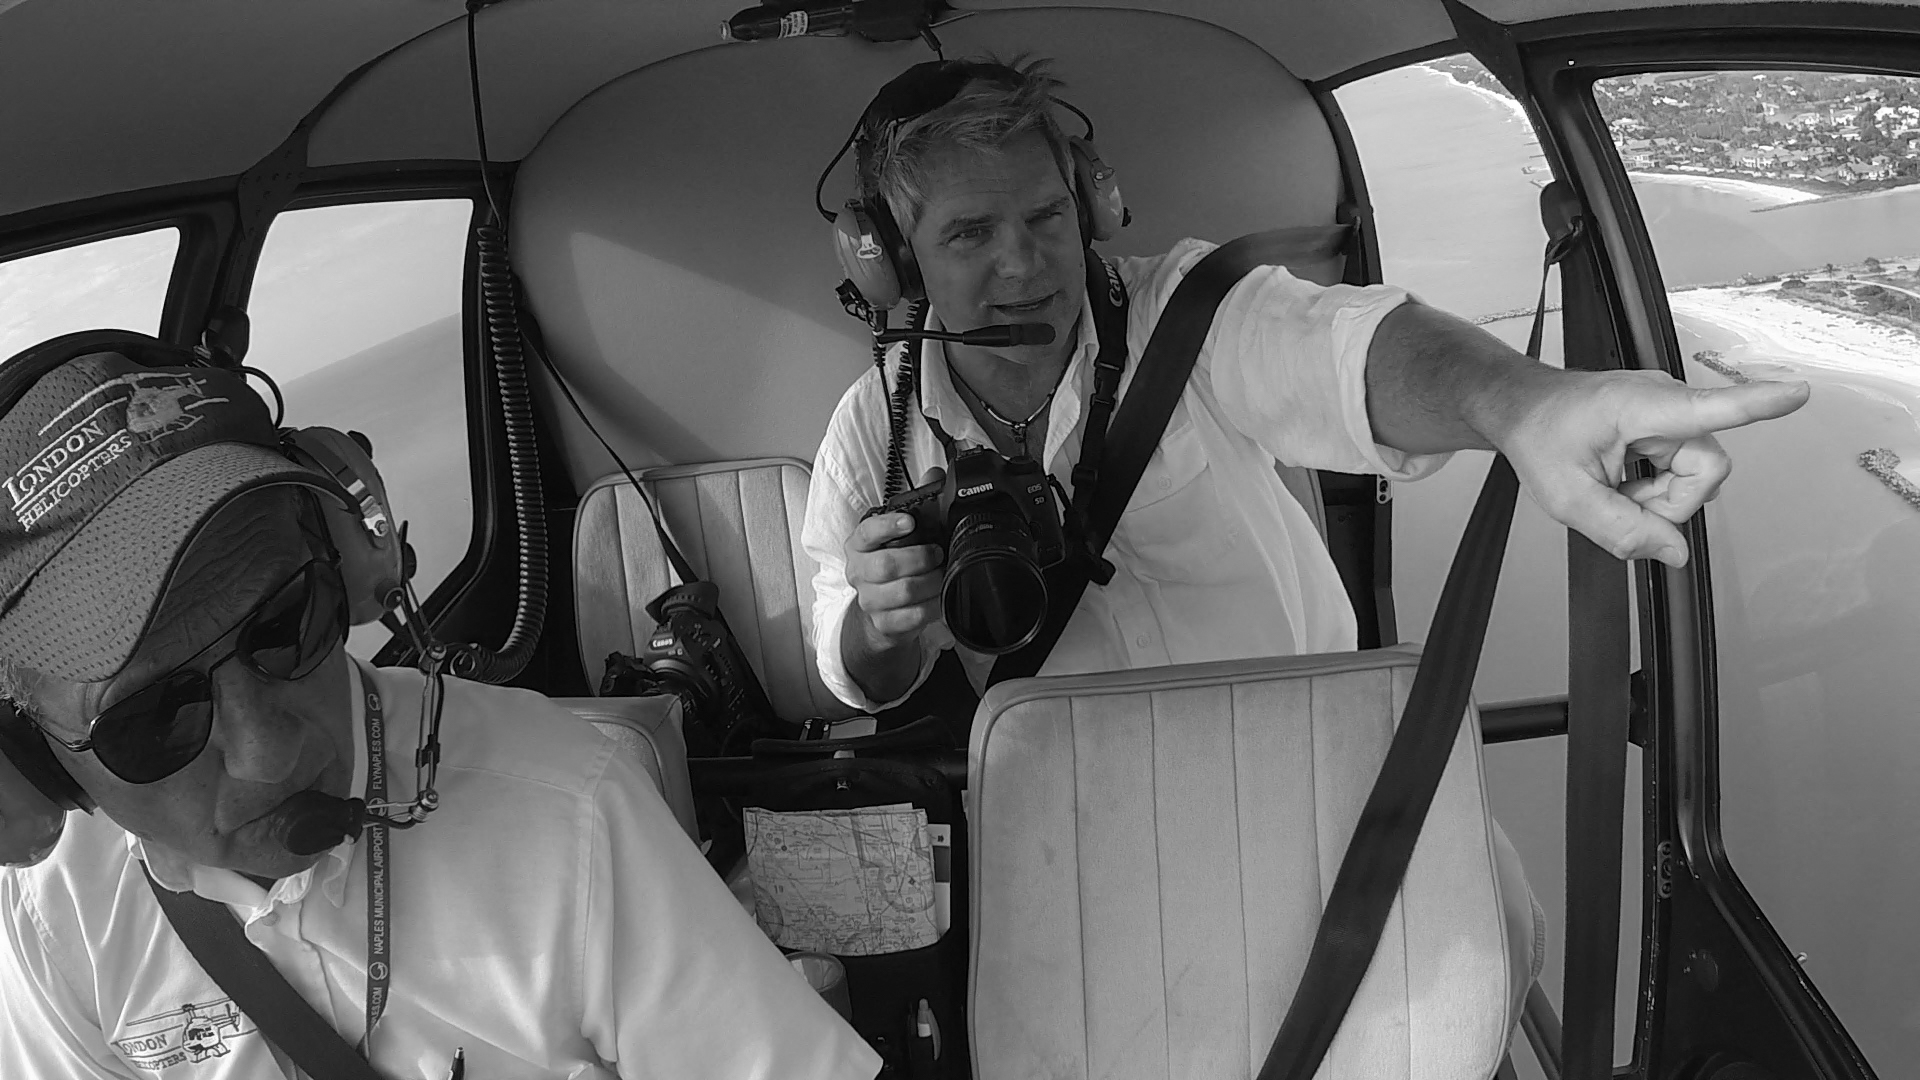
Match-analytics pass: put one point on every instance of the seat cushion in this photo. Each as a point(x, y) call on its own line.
point(1151, 853)
point(738, 524)
point(649, 729)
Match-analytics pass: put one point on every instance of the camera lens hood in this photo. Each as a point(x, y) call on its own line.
point(994, 594)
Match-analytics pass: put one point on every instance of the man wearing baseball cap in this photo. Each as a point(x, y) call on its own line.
point(173, 615)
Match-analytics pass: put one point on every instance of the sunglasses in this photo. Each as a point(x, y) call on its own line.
point(159, 729)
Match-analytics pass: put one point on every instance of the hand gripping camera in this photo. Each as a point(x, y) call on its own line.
point(999, 522)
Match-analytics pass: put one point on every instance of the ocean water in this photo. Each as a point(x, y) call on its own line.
point(1816, 564)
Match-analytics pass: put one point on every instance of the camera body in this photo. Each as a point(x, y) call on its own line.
point(692, 655)
point(999, 523)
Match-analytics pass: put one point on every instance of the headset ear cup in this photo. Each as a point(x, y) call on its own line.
point(31, 821)
point(43, 789)
point(359, 518)
point(864, 260)
point(906, 268)
point(1097, 186)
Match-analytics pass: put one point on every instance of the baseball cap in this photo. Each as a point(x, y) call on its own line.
point(108, 468)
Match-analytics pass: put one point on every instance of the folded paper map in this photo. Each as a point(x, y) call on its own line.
point(852, 882)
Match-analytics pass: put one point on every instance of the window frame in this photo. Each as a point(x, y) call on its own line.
point(451, 606)
point(191, 231)
point(469, 603)
point(1558, 61)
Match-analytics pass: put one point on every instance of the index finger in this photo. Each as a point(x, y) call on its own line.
point(876, 532)
point(1700, 412)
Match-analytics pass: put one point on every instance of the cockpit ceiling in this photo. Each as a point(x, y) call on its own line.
point(109, 96)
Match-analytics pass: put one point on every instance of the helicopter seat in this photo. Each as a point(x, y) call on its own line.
point(649, 729)
point(738, 525)
point(1151, 852)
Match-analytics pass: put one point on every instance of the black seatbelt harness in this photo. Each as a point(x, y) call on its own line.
point(1383, 840)
point(220, 946)
point(1111, 463)
point(1598, 707)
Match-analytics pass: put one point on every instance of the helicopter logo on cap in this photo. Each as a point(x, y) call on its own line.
point(160, 408)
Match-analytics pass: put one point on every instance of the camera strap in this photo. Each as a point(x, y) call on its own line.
point(1103, 482)
point(1109, 298)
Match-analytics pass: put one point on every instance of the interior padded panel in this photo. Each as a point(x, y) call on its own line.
point(649, 729)
point(738, 524)
point(666, 234)
point(1151, 852)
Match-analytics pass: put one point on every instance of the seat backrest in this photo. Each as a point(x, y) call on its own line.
point(665, 230)
point(1151, 851)
point(649, 729)
point(738, 524)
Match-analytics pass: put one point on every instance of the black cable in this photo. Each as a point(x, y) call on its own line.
point(499, 303)
point(1075, 110)
point(523, 466)
point(279, 402)
point(479, 123)
point(679, 561)
point(820, 185)
point(901, 401)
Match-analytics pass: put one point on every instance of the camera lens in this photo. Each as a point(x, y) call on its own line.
point(994, 594)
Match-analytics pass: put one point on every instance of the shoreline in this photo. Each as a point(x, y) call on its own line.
point(1513, 108)
point(1770, 331)
point(1757, 190)
point(1774, 193)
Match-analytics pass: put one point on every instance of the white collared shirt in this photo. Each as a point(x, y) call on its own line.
point(551, 918)
point(1214, 559)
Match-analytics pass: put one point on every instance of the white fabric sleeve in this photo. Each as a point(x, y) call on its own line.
point(835, 504)
point(50, 1033)
point(1288, 364)
point(679, 984)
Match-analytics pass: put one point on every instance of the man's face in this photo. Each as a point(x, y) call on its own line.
point(998, 242)
point(270, 739)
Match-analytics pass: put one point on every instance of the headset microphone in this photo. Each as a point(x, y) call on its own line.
point(1004, 336)
point(312, 822)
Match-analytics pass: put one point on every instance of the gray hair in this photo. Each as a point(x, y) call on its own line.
point(16, 688)
point(983, 117)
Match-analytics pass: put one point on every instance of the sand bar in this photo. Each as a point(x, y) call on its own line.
point(1753, 190)
point(1776, 330)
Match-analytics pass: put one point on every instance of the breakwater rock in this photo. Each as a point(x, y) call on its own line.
point(1884, 464)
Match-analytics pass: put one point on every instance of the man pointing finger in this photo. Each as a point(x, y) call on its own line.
point(1436, 383)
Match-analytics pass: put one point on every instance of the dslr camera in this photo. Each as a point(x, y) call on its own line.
point(999, 523)
point(692, 655)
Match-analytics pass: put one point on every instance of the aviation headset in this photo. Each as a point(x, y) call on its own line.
point(874, 253)
point(358, 517)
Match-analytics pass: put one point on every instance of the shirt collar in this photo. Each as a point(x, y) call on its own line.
point(179, 874)
point(941, 402)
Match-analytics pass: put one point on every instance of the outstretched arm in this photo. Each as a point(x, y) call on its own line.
point(1437, 383)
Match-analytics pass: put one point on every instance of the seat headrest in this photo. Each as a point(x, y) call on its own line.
point(665, 231)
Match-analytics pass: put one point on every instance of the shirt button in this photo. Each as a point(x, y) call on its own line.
point(1141, 641)
point(270, 918)
point(1166, 482)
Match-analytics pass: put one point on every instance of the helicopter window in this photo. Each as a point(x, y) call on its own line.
point(1784, 212)
point(118, 282)
point(356, 312)
point(1454, 172)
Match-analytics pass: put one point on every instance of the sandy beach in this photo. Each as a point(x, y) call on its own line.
point(1514, 108)
point(1761, 194)
point(1772, 331)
